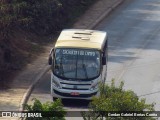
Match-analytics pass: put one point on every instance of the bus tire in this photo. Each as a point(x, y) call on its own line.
point(54, 98)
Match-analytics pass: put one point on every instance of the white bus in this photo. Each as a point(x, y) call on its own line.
point(78, 63)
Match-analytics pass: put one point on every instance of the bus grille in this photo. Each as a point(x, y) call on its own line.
point(76, 86)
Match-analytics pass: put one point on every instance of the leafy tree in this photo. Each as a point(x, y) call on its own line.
point(114, 98)
point(10, 18)
point(40, 16)
point(11, 15)
point(49, 108)
point(45, 15)
point(51, 16)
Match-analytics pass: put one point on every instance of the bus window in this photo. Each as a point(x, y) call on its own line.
point(77, 63)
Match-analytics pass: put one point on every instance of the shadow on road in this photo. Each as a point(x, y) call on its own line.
point(75, 103)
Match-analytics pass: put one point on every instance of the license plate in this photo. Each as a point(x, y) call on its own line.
point(75, 93)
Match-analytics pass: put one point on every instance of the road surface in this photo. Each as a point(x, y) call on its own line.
point(134, 52)
point(134, 47)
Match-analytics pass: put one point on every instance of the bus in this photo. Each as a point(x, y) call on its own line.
point(78, 63)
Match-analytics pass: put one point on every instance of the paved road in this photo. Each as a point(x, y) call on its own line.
point(134, 51)
point(134, 47)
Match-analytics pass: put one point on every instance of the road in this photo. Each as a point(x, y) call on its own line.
point(134, 52)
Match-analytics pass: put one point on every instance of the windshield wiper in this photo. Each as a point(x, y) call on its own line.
point(84, 67)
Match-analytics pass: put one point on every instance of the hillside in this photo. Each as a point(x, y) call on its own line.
point(25, 26)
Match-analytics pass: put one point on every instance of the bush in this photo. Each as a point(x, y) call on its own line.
point(10, 16)
point(51, 16)
point(40, 16)
point(55, 108)
point(114, 98)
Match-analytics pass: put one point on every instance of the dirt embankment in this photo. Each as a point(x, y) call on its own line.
point(15, 52)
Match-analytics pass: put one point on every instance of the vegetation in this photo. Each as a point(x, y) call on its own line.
point(40, 17)
point(47, 109)
point(114, 98)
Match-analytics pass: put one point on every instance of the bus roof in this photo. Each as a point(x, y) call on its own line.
point(81, 38)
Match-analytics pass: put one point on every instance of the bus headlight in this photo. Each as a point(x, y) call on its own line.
point(56, 84)
point(94, 86)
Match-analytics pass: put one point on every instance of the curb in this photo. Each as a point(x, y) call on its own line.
point(29, 90)
point(47, 68)
point(116, 4)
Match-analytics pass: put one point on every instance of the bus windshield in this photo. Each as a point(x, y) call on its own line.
point(76, 63)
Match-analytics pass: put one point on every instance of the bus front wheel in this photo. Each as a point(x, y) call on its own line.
point(54, 98)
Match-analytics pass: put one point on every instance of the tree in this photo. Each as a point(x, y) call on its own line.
point(113, 99)
point(49, 108)
point(11, 14)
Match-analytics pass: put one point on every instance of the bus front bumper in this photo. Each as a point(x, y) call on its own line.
point(74, 94)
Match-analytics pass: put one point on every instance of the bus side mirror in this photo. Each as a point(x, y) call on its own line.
point(50, 60)
point(103, 60)
point(50, 57)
